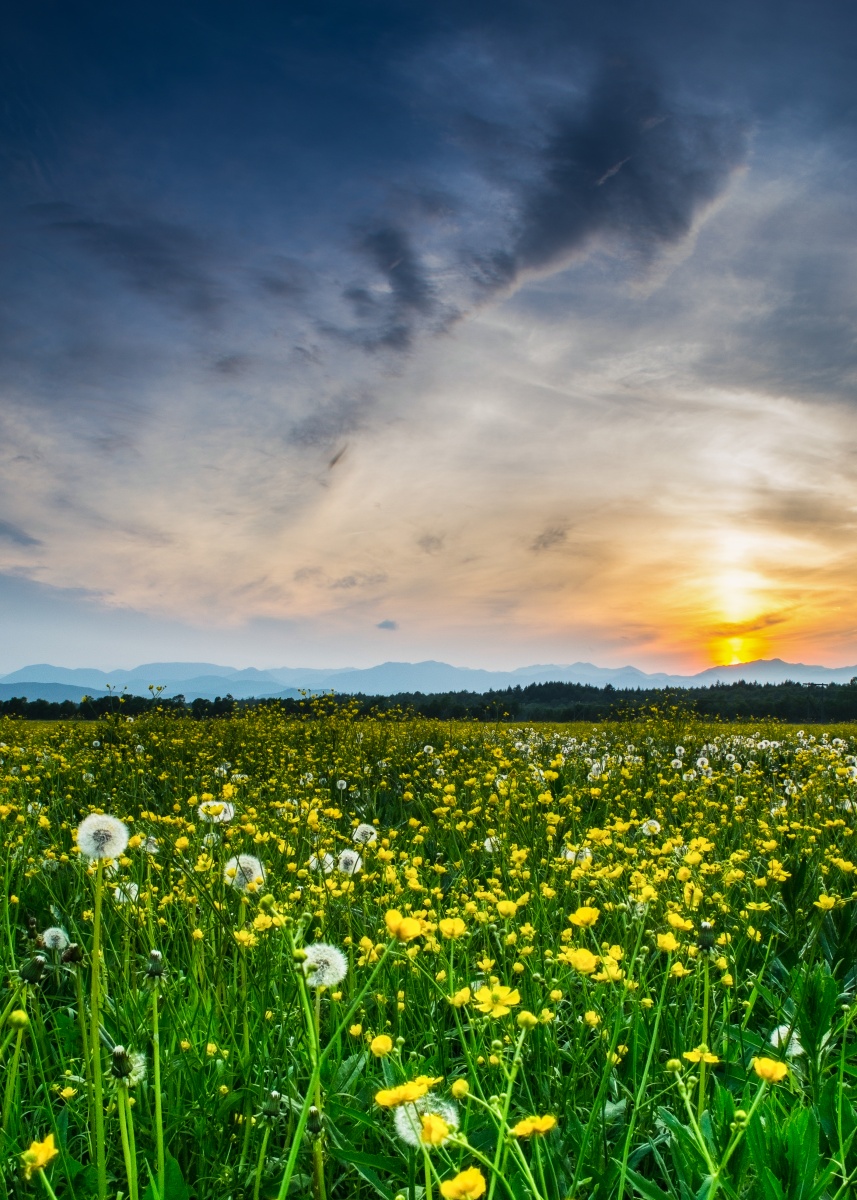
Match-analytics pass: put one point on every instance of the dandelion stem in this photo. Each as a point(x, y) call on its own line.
point(124, 1122)
point(95, 1037)
point(260, 1162)
point(294, 1150)
point(156, 1073)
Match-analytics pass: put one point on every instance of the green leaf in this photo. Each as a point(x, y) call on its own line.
point(646, 1188)
point(175, 1187)
point(367, 1165)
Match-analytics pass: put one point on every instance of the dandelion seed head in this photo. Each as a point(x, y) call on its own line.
point(216, 811)
point(365, 834)
point(101, 836)
point(244, 873)
point(55, 938)
point(324, 965)
point(408, 1123)
point(349, 862)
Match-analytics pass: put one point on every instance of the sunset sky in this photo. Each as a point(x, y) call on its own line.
point(496, 333)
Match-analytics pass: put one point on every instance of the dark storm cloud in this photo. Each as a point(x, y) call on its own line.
point(388, 316)
point(626, 164)
point(162, 261)
point(12, 533)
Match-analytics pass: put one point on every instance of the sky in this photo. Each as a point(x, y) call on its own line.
point(497, 333)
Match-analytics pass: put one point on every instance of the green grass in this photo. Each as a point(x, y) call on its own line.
point(268, 1084)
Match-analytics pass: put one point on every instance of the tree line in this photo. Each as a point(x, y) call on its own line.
point(794, 702)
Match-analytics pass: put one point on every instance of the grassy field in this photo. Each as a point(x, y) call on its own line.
point(334, 957)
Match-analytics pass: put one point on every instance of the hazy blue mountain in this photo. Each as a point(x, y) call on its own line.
point(208, 680)
point(54, 692)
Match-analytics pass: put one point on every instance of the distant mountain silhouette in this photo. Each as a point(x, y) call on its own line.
point(208, 680)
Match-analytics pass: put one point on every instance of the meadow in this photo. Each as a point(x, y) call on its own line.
point(345, 957)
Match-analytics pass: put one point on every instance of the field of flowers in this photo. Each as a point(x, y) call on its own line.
point(343, 958)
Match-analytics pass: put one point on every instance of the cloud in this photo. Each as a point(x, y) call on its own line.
point(430, 543)
point(163, 261)
point(14, 533)
point(390, 306)
point(548, 538)
point(387, 625)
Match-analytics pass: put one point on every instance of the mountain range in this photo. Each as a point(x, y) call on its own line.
point(42, 681)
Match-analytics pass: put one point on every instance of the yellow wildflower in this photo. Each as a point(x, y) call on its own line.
point(770, 1070)
point(584, 916)
point(467, 1185)
point(42, 1153)
point(404, 929)
point(496, 1001)
point(534, 1126)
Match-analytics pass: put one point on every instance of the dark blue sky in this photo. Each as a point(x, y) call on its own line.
point(336, 332)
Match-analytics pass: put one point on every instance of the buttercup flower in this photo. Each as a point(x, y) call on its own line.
point(39, 1155)
point(534, 1126)
point(452, 927)
point(770, 1070)
point(496, 1001)
point(216, 811)
point(404, 929)
point(428, 1122)
point(381, 1045)
point(467, 1185)
point(585, 916)
point(406, 1093)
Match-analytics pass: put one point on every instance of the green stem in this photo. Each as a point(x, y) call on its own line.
point(47, 1186)
point(126, 1141)
point(95, 1037)
point(499, 1152)
point(294, 1149)
point(156, 1070)
point(260, 1162)
point(700, 1108)
point(642, 1086)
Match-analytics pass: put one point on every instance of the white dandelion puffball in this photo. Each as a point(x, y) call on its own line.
point(491, 844)
point(55, 938)
point(102, 836)
point(780, 1040)
point(138, 1069)
point(244, 872)
point(150, 845)
point(126, 893)
point(349, 862)
point(651, 828)
point(342, 784)
point(325, 863)
point(324, 965)
point(576, 856)
point(216, 811)
point(366, 835)
point(408, 1122)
